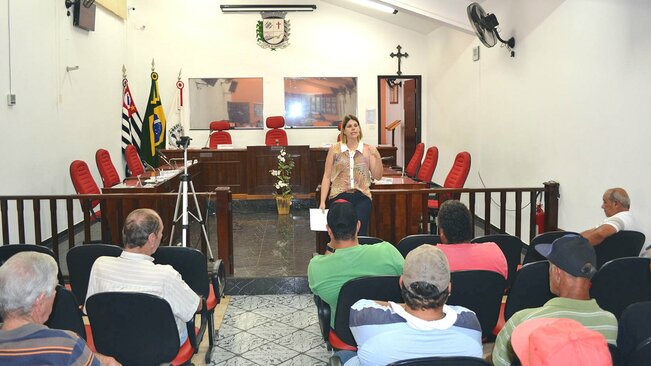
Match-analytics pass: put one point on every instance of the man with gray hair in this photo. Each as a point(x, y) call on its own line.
point(134, 270)
point(423, 326)
point(616, 205)
point(27, 290)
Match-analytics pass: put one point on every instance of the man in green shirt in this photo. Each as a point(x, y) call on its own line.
point(572, 263)
point(346, 259)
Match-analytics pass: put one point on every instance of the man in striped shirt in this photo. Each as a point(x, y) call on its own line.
point(572, 263)
point(134, 270)
point(27, 291)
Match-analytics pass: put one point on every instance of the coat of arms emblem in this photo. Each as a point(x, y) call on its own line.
point(273, 30)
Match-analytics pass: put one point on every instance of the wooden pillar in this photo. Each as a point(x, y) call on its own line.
point(223, 204)
point(551, 205)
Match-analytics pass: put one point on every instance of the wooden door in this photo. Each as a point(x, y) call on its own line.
point(411, 137)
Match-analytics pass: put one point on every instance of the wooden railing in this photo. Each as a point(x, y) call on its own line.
point(114, 208)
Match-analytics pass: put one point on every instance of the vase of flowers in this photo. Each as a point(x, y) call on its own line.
point(282, 186)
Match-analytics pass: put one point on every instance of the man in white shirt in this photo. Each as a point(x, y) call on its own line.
point(134, 270)
point(616, 205)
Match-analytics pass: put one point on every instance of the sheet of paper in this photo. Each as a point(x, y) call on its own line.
point(318, 219)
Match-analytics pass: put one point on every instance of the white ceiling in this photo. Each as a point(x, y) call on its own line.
point(422, 16)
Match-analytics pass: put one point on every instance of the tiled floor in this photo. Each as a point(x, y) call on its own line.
point(270, 330)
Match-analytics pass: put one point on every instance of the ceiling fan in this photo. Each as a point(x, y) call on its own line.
point(485, 27)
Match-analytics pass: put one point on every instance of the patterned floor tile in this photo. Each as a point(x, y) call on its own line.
point(270, 354)
point(272, 330)
point(300, 341)
point(248, 303)
point(320, 352)
point(299, 302)
point(246, 321)
point(220, 355)
point(241, 342)
point(226, 331)
point(300, 319)
point(273, 311)
point(303, 360)
point(237, 361)
point(313, 328)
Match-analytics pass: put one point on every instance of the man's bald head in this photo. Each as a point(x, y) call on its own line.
point(615, 200)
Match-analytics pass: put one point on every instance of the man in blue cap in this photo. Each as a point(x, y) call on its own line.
point(572, 263)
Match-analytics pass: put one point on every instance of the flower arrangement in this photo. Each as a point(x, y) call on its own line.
point(283, 174)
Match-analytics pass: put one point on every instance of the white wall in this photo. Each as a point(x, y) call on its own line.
point(572, 106)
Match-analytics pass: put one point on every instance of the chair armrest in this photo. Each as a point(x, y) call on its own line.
point(335, 361)
point(202, 325)
point(323, 313)
point(218, 279)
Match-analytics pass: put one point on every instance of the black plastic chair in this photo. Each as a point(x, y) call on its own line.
point(481, 292)
point(545, 238)
point(381, 288)
point(621, 244)
point(443, 361)
point(8, 250)
point(634, 326)
point(511, 247)
point(641, 355)
point(192, 266)
point(530, 288)
point(66, 314)
point(368, 240)
point(137, 329)
point(620, 283)
point(80, 261)
point(411, 242)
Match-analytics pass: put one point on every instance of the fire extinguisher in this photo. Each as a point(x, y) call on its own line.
point(540, 218)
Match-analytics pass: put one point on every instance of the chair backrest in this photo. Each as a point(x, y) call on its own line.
point(133, 161)
point(530, 288)
point(80, 261)
point(443, 361)
point(511, 246)
point(481, 292)
point(135, 328)
point(276, 135)
point(190, 263)
point(218, 134)
point(428, 166)
point(459, 172)
point(8, 250)
point(411, 242)
point(621, 244)
point(384, 288)
point(368, 239)
point(621, 282)
point(110, 176)
point(66, 314)
point(414, 162)
point(543, 238)
point(83, 181)
point(634, 327)
point(641, 355)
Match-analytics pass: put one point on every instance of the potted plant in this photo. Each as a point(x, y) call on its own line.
point(282, 186)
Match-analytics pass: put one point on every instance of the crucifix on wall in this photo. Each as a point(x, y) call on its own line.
point(399, 55)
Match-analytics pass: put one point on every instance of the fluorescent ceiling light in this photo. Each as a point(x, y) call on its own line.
point(259, 8)
point(376, 6)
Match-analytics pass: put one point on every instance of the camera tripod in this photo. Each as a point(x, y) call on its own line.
point(182, 212)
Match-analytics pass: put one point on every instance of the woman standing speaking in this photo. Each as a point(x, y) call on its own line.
point(349, 167)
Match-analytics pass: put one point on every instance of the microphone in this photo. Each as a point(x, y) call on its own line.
point(276, 142)
point(148, 166)
point(205, 146)
point(165, 159)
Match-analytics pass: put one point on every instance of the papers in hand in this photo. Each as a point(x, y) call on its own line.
point(318, 219)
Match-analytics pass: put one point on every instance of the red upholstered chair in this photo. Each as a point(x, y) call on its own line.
point(429, 165)
point(218, 134)
point(84, 183)
point(110, 176)
point(133, 161)
point(414, 163)
point(456, 179)
point(276, 135)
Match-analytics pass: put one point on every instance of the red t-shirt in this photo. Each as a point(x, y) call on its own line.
point(480, 256)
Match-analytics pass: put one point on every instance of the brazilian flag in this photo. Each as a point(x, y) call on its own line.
point(153, 125)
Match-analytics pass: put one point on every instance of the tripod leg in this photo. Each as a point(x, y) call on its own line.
point(176, 214)
point(202, 222)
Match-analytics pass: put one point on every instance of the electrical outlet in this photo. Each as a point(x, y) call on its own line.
point(11, 99)
point(475, 54)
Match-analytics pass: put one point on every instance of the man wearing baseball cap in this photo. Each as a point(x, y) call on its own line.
point(345, 259)
point(572, 263)
point(424, 325)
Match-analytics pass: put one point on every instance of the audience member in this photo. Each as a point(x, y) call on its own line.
point(423, 326)
point(134, 270)
point(27, 290)
point(559, 342)
point(455, 229)
point(616, 205)
point(572, 263)
point(346, 259)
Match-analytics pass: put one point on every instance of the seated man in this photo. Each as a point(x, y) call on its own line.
point(27, 290)
point(616, 205)
point(421, 327)
point(134, 270)
point(572, 263)
point(455, 229)
point(346, 259)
